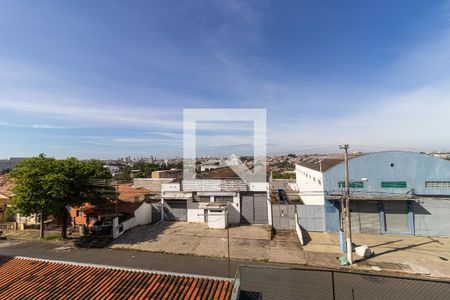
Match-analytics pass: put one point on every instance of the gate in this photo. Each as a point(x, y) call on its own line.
point(175, 210)
point(283, 216)
point(156, 212)
point(311, 217)
point(254, 208)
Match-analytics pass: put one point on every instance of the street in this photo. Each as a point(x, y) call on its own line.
point(123, 258)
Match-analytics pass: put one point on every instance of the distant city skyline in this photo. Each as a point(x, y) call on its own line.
point(109, 79)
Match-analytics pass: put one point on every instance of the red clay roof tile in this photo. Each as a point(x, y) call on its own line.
point(22, 278)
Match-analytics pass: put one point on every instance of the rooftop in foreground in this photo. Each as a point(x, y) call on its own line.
point(24, 278)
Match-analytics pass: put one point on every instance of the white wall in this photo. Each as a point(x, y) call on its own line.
point(258, 186)
point(234, 210)
point(196, 211)
point(298, 230)
point(143, 214)
point(310, 185)
point(152, 184)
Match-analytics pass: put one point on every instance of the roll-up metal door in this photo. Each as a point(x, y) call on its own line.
point(246, 209)
point(431, 217)
point(175, 210)
point(365, 216)
point(260, 204)
point(254, 209)
point(396, 217)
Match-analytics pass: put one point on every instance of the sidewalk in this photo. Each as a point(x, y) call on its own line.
point(249, 243)
point(411, 254)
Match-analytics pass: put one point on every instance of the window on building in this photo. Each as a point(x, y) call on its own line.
point(223, 199)
point(79, 213)
point(437, 184)
point(353, 184)
point(393, 184)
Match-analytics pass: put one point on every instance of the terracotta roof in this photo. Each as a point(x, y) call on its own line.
point(6, 186)
point(23, 278)
point(128, 192)
point(223, 172)
point(122, 207)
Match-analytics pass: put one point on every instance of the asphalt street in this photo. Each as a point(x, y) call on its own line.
point(123, 258)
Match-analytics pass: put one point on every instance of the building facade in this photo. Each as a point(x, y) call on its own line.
point(190, 200)
point(392, 192)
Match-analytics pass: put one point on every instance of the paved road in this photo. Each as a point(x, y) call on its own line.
point(271, 282)
point(123, 258)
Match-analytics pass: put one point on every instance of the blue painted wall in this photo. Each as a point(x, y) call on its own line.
point(414, 168)
point(331, 209)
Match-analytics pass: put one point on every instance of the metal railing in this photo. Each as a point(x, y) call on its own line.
point(8, 226)
point(266, 282)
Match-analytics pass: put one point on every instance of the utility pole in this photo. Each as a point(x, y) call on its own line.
point(228, 247)
point(41, 227)
point(346, 208)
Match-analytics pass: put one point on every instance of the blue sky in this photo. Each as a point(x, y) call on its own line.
point(111, 78)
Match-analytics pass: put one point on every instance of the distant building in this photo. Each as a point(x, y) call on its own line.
point(152, 184)
point(173, 173)
point(392, 192)
point(441, 154)
point(114, 170)
point(7, 164)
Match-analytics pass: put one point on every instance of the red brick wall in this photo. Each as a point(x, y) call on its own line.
point(76, 218)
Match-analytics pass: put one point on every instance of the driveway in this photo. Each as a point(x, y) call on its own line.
point(245, 242)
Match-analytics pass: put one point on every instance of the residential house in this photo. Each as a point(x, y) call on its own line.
point(392, 192)
point(131, 204)
point(6, 194)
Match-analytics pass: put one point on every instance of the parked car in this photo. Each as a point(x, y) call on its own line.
point(102, 227)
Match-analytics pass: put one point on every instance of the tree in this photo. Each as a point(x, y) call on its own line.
point(38, 187)
point(80, 188)
point(47, 186)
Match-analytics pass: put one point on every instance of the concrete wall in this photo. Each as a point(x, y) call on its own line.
point(414, 168)
point(298, 229)
point(153, 184)
point(196, 211)
point(310, 185)
point(142, 216)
